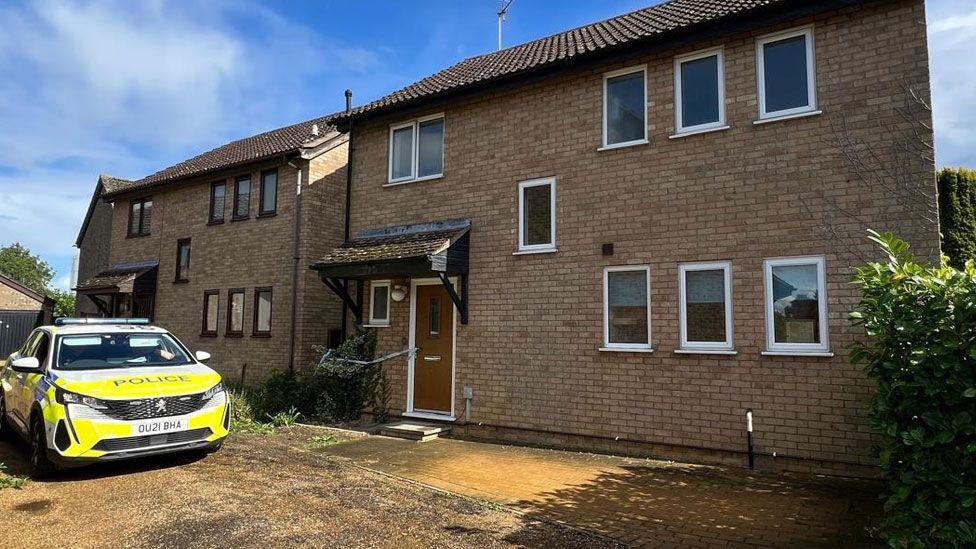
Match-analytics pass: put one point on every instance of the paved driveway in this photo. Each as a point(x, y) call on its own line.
point(641, 502)
point(258, 491)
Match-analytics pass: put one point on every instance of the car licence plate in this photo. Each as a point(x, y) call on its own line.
point(160, 426)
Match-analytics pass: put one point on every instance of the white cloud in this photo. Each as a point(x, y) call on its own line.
point(952, 33)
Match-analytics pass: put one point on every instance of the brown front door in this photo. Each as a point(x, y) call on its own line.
point(434, 335)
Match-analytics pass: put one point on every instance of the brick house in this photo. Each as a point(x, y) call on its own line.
point(624, 236)
point(216, 248)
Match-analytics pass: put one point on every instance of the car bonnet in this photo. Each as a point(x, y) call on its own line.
point(137, 382)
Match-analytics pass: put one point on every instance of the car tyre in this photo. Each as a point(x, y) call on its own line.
point(39, 463)
point(5, 431)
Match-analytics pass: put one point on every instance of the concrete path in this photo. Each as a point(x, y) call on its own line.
point(640, 502)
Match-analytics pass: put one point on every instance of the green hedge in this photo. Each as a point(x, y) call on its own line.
point(921, 351)
point(957, 214)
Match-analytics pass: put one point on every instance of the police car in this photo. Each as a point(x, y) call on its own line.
point(89, 390)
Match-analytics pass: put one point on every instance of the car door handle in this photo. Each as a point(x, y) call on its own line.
point(432, 358)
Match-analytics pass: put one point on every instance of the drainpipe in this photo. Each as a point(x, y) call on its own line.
point(345, 232)
point(296, 259)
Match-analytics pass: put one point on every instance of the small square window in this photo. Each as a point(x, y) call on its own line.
point(706, 305)
point(242, 197)
point(796, 304)
point(699, 91)
point(537, 215)
point(262, 311)
point(211, 312)
point(417, 150)
point(624, 107)
point(627, 307)
point(787, 74)
point(269, 192)
point(379, 303)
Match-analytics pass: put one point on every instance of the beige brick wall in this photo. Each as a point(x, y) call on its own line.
point(94, 252)
point(251, 253)
point(530, 352)
point(12, 299)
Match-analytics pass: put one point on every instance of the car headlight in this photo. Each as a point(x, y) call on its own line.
point(214, 391)
point(64, 397)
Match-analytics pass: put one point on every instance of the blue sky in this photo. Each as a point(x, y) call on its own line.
point(127, 88)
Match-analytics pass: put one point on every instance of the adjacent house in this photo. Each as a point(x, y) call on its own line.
point(627, 235)
point(216, 248)
point(21, 310)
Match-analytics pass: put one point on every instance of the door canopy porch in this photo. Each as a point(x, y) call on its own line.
point(123, 279)
point(434, 249)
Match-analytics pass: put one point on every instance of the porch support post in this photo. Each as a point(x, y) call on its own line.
point(100, 305)
point(337, 287)
point(461, 302)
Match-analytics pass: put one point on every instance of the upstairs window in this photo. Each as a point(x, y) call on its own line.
point(242, 197)
point(262, 312)
point(211, 312)
point(537, 215)
point(269, 192)
point(627, 307)
point(379, 303)
point(417, 150)
point(235, 312)
point(787, 74)
point(218, 197)
point(699, 84)
point(796, 305)
point(140, 217)
point(624, 107)
point(706, 306)
point(183, 260)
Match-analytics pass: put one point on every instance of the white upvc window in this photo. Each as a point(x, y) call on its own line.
point(417, 150)
point(705, 305)
point(787, 74)
point(627, 307)
point(625, 107)
point(699, 91)
point(796, 305)
point(537, 215)
point(379, 303)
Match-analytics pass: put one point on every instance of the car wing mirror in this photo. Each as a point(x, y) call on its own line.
point(202, 356)
point(26, 365)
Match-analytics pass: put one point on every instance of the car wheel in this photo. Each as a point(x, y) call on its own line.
point(40, 464)
point(4, 426)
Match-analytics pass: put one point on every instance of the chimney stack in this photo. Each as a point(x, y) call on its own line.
point(348, 101)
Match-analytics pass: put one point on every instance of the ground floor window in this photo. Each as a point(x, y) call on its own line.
point(796, 304)
point(211, 311)
point(705, 305)
point(262, 311)
point(379, 303)
point(626, 307)
point(235, 312)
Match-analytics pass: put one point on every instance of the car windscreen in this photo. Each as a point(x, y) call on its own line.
point(107, 351)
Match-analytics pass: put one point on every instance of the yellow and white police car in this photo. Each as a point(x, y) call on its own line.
point(89, 390)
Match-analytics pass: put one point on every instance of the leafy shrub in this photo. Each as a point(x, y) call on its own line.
point(957, 214)
point(10, 481)
point(345, 388)
point(921, 351)
point(242, 418)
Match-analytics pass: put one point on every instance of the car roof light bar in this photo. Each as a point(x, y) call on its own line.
point(100, 321)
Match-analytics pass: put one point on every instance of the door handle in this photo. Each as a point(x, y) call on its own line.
point(432, 358)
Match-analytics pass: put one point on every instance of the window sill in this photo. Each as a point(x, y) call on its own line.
point(229, 334)
point(376, 325)
point(728, 352)
point(826, 354)
point(539, 251)
point(623, 145)
point(243, 218)
point(787, 117)
point(625, 350)
point(138, 235)
point(261, 335)
point(215, 222)
point(267, 214)
point(689, 133)
point(181, 281)
point(415, 180)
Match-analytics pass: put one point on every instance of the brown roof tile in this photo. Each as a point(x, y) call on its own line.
point(624, 29)
point(402, 242)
